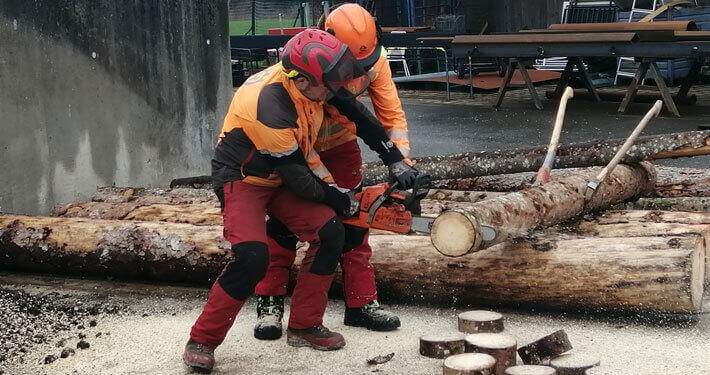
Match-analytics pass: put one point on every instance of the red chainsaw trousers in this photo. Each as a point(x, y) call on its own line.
point(245, 209)
point(344, 163)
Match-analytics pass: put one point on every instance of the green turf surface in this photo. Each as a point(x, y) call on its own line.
point(262, 26)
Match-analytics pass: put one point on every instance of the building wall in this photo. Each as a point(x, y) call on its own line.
point(104, 92)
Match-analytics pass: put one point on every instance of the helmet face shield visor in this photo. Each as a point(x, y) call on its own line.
point(346, 78)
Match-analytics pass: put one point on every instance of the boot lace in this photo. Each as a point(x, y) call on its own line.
point(270, 305)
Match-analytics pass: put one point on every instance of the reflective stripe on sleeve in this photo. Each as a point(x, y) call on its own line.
point(280, 154)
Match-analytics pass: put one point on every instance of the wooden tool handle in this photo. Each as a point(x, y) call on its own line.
point(544, 173)
point(655, 110)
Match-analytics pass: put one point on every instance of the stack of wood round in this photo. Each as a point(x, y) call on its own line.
point(441, 345)
point(500, 346)
point(545, 348)
point(480, 321)
point(469, 364)
point(530, 370)
point(574, 363)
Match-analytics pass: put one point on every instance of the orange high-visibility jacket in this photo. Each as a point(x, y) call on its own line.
point(260, 122)
point(337, 129)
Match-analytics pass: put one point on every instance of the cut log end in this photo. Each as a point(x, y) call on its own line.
point(574, 363)
point(498, 345)
point(437, 345)
point(454, 234)
point(480, 321)
point(601, 370)
point(469, 364)
point(530, 370)
point(545, 348)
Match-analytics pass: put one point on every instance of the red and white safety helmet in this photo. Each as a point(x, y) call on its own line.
point(324, 60)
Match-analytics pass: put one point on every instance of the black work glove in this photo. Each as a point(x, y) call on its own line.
point(354, 208)
point(403, 174)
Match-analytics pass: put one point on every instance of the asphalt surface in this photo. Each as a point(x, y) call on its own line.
point(440, 127)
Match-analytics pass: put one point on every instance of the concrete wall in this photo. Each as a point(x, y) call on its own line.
point(103, 92)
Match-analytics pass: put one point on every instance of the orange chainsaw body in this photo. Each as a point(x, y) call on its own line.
point(391, 216)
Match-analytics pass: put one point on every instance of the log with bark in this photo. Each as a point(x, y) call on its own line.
point(598, 271)
point(701, 204)
point(545, 348)
point(595, 153)
point(500, 346)
point(671, 182)
point(441, 345)
point(480, 321)
point(458, 232)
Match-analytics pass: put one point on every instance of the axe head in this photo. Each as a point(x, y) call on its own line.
point(591, 189)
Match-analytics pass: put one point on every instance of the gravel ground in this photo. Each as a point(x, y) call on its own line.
point(141, 329)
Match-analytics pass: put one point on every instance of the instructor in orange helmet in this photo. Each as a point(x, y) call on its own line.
point(339, 152)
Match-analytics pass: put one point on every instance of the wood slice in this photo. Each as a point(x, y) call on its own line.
point(530, 370)
point(498, 345)
point(441, 345)
point(469, 364)
point(545, 348)
point(574, 363)
point(601, 370)
point(480, 321)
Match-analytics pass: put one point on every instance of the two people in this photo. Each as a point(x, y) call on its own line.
point(267, 163)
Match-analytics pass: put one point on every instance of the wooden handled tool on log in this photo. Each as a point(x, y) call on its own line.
point(594, 184)
point(543, 174)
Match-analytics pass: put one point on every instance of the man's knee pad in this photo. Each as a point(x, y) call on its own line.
point(279, 233)
point(331, 236)
point(354, 236)
point(240, 276)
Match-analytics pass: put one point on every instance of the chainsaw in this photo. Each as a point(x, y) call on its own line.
point(385, 207)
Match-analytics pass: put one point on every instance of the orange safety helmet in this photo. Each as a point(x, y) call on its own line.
point(354, 26)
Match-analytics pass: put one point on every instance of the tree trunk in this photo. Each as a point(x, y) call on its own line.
point(595, 153)
point(671, 182)
point(659, 272)
point(458, 232)
point(655, 273)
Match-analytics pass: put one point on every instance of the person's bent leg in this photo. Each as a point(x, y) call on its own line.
point(244, 227)
point(317, 224)
point(271, 291)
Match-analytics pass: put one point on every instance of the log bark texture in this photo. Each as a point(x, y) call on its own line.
point(652, 272)
point(458, 232)
point(595, 153)
point(671, 182)
point(545, 348)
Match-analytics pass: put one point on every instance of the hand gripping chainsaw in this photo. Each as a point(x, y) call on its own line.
point(385, 207)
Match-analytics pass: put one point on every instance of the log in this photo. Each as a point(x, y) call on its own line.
point(701, 204)
point(480, 321)
point(671, 182)
point(595, 153)
point(643, 273)
point(441, 345)
point(574, 363)
point(469, 364)
point(458, 232)
point(530, 370)
point(546, 348)
point(153, 196)
point(498, 345)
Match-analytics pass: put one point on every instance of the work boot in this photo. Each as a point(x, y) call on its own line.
point(317, 337)
point(199, 356)
point(269, 312)
point(371, 316)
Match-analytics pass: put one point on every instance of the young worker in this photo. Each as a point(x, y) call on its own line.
point(259, 168)
point(339, 152)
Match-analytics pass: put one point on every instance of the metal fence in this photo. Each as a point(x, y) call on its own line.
point(258, 16)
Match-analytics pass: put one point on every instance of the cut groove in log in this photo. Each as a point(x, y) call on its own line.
point(441, 345)
point(530, 370)
point(546, 348)
point(498, 345)
point(574, 363)
point(469, 364)
point(480, 321)
point(456, 233)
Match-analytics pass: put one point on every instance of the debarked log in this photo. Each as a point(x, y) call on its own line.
point(595, 153)
point(458, 232)
point(658, 273)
